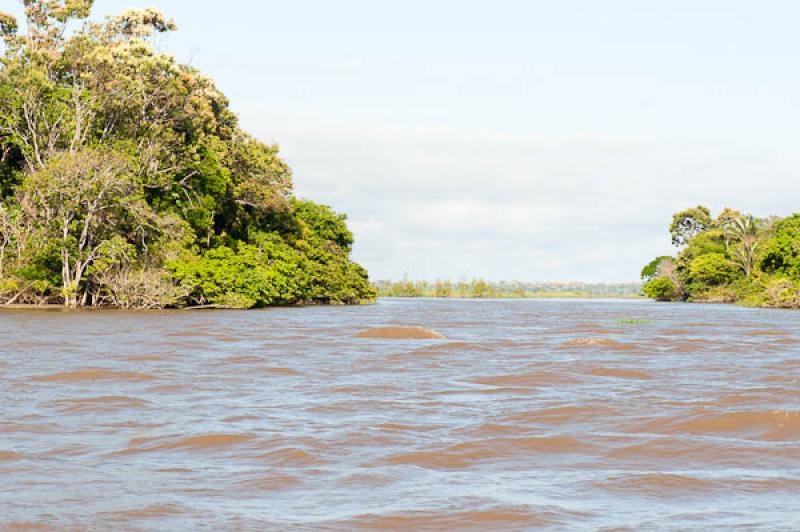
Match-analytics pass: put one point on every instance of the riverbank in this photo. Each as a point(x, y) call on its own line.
point(22, 306)
point(55, 306)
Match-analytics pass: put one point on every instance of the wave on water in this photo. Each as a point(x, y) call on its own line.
point(620, 373)
point(292, 457)
point(94, 374)
point(659, 485)
point(100, 404)
point(268, 483)
point(601, 343)
point(7, 456)
point(201, 442)
point(504, 517)
point(778, 425)
point(400, 333)
point(467, 454)
point(526, 380)
point(154, 511)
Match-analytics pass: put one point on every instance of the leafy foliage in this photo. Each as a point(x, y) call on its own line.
point(651, 270)
point(733, 258)
point(781, 253)
point(125, 179)
point(243, 278)
point(660, 289)
point(711, 269)
point(688, 223)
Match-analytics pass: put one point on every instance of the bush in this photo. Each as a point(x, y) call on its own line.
point(781, 253)
point(782, 293)
point(713, 294)
point(245, 278)
point(711, 269)
point(661, 289)
point(8, 286)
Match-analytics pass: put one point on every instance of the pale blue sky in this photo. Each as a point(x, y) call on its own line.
point(533, 140)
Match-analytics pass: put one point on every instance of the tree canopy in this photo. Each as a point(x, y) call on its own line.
point(688, 223)
point(734, 257)
point(125, 179)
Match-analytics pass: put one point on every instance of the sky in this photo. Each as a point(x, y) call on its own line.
point(516, 139)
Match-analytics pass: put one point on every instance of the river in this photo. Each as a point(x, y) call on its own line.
point(562, 414)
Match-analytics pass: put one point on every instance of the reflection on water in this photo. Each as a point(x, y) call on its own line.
point(529, 414)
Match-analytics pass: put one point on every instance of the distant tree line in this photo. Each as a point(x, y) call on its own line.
point(480, 289)
point(730, 258)
point(126, 181)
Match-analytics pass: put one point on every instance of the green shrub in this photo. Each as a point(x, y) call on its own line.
point(781, 253)
point(782, 293)
point(713, 294)
point(661, 289)
point(244, 278)
point(8, 286)
point(712, 269)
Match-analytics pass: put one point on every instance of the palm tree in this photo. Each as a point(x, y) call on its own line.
point(723, 223)
point(745, 230)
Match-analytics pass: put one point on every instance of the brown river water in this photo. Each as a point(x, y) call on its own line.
point(530, 414)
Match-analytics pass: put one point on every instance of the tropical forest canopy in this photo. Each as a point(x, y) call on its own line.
point(126, 181)
point(730, 258)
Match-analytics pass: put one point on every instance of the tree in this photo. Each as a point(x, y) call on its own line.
point(443, 289)
point(116, 160)
point(688, 223)
point(650, 271)
point(82, 201)
point(8, 224)
point(781, 252)
point(724, 220)
point(711, 241)
point(745, 231)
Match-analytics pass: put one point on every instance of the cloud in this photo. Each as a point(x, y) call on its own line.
point(433, 202)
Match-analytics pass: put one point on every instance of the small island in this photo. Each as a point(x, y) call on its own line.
point(733, 258)
point(126, 181)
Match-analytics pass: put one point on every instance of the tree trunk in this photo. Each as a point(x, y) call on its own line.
point(71, 300)
point(65, 281)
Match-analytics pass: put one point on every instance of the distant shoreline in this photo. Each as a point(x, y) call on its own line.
point(482, 289)
point(544, 295)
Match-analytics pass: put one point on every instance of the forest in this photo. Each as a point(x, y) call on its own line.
point(730, 258)
point(127, 182)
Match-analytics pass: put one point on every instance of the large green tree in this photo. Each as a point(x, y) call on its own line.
point(124, 175)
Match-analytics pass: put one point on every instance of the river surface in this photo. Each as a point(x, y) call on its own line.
point(531, 414)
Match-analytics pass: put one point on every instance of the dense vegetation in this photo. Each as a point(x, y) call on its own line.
point(479, 288)
point(730, 258)
point(126, 181)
